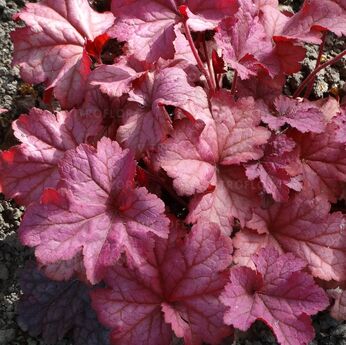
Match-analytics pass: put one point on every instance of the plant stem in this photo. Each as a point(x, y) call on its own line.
point(218, 80)
point(315, 71)
point(196, 55)
point(210, 68)
point(234, 82)
point(318, 62)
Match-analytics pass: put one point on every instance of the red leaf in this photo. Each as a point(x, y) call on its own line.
point(218, 63)
point(94, 48)
point(177, 289)
point(289, 54)
point(278, 293)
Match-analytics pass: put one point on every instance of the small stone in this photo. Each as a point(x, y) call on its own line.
point(321, 87)
point(3, 70)
point(340, 330)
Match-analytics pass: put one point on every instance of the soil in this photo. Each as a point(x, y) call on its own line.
point(19, 97)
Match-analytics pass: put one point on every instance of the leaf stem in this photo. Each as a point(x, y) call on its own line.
point(196, 55)
point(210, 67)
point(315, 71)
point(318, 62)
point(218, 80)
point(234, 83)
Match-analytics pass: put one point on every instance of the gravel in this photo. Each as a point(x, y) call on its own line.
point(18, 97)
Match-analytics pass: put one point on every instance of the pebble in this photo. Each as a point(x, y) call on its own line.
point(340, 331)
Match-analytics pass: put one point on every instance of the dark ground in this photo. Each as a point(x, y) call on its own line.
point(18, 97)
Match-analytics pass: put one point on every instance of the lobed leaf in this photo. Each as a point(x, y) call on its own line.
point(96, 211)
point(51, 48)
point(175, 291)
point(27, 169)
point(278, 293)
point(53, 309)
point(278, 169)
point(304, 227)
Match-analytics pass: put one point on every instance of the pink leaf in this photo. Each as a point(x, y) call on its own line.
point(278, 293)
point(188, 159)
point(113, 80)
point(182, 48)
point(145, 120)
point(96, 211)
point(239, 135)
point(302, 115)
point(232, 138)
point(108, 108)
point(234, 196)
point(273, 20)
point(148, 27)
point(51, 48)
point(196, 158)
point(177, 289)
point(207, 14)
point(243, 40)
point(29, 168)
point(304, 227)
point(277, 167)
point(261, 86)
point(323, 161)
point(316, 15)
point(248, 242)
point(340, 121)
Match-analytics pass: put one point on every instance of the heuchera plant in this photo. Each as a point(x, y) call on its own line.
point(160, 199)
